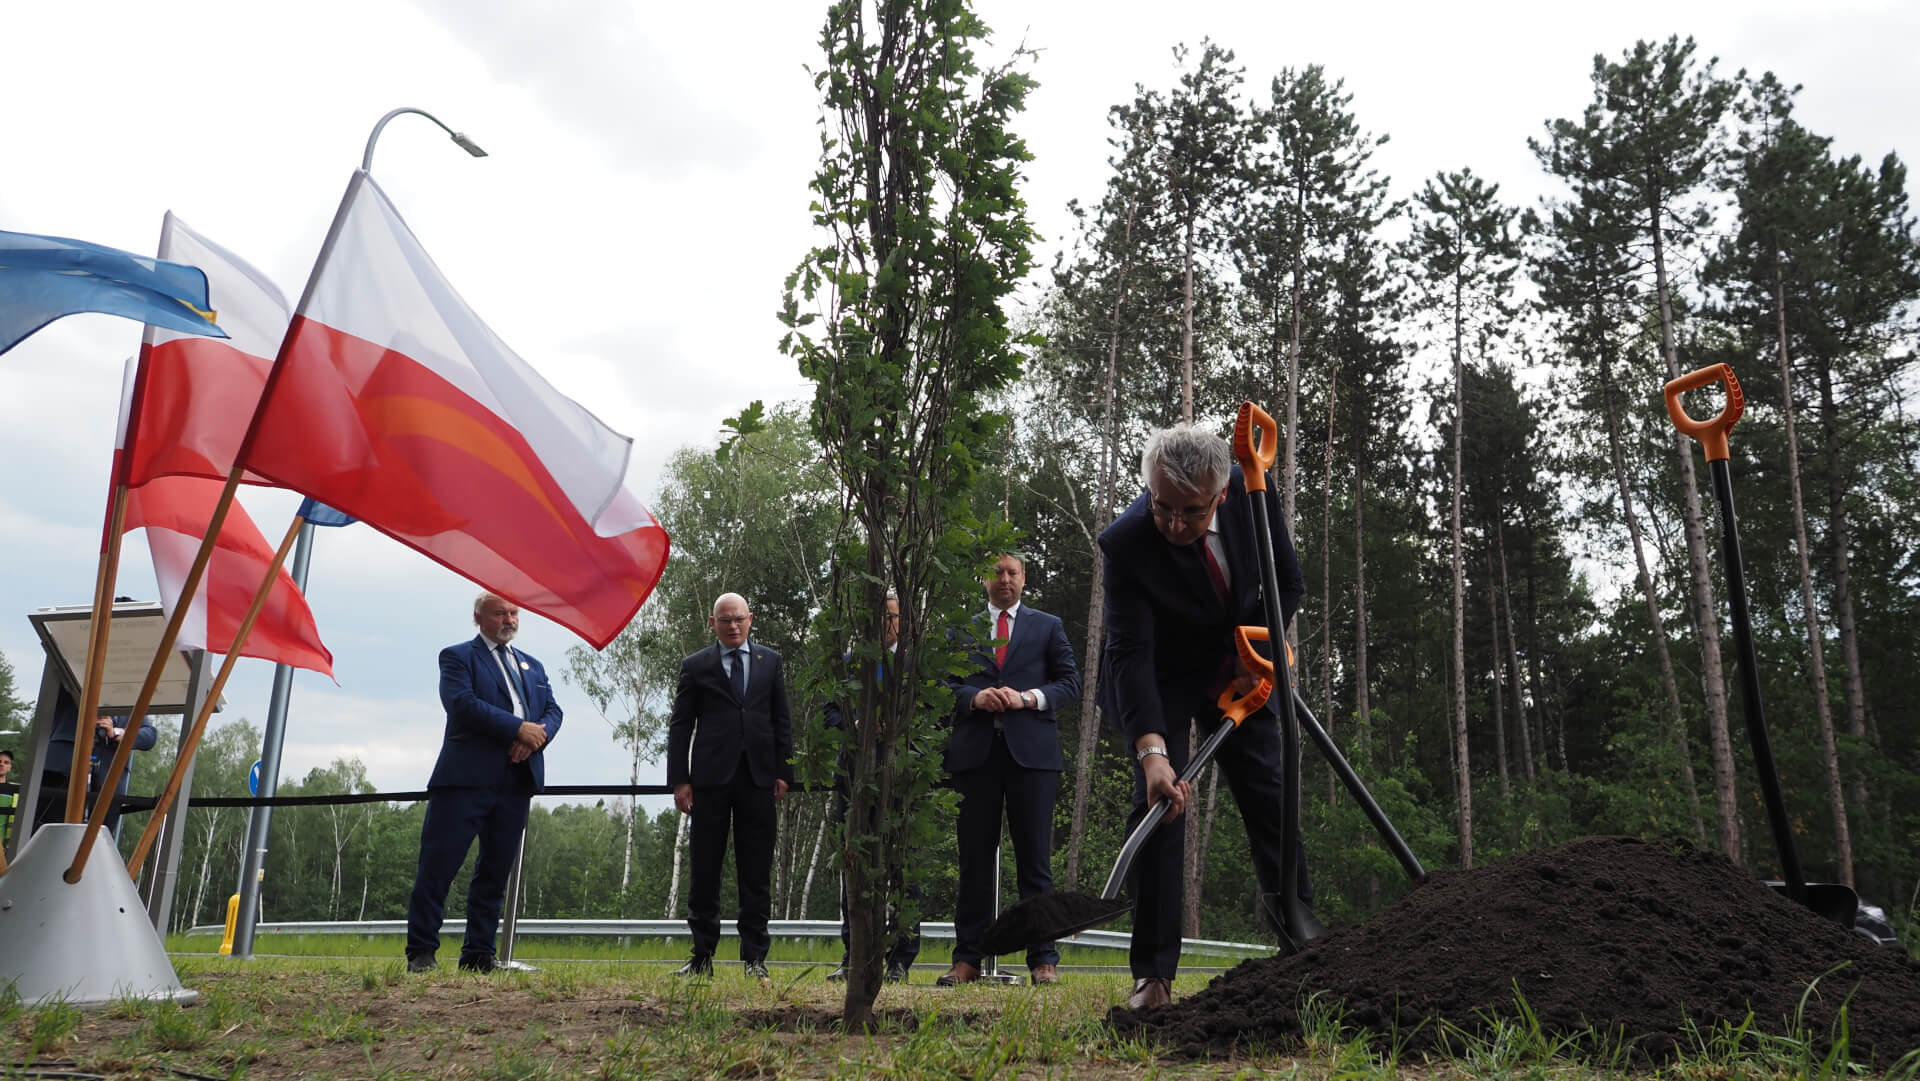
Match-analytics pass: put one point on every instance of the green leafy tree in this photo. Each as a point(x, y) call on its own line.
point(897, 318)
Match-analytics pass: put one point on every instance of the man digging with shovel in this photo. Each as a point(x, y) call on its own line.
point(1183, 570)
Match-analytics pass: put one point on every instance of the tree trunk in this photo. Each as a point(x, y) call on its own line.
point(633, 815)
point(1644, 578)
point(673, 882)
point(1816, 648)
point(1089, 735)
point(1462, 763)
point(1706, 620)
point(1522, 723)
point(1839, 541)
point(1499, 692)
point(1327, 717)
point(1198, 882)
point(1193, 872)
point(1362, 700)
point(819, 845)
point(1186, 324)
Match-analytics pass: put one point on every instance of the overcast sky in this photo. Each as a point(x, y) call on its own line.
point(644, 197)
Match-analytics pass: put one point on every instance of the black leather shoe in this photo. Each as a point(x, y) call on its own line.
point(481, 963)
point(421, 962)
point(1150, 992)
point(897, 972)
point(700, 964)
point(757, 970)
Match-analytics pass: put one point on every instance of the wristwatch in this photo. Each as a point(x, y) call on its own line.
point(1026, 699)
point(1141, 754)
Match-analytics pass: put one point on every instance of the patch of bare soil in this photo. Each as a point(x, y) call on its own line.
point(1642, 940)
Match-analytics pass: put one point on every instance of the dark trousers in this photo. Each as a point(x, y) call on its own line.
point(904, 945)
point(456, 817)
point(1026, 796)
point(53, 804)
point(1251, 759)
point(746, 809)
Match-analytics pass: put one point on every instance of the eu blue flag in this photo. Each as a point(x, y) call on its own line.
point(320, 514)
point(45, 277)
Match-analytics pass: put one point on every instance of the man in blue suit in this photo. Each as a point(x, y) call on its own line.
point(1004, 755)
point(729, 751)
point(500, 717)
point(1181, 572)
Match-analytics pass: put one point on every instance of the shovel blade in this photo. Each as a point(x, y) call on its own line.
point(1047, 916)
point(1830, 900)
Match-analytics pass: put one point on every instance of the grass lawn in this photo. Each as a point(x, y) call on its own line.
point(598, 1011)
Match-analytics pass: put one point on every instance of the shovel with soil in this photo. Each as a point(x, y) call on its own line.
point(1050, 916)
point(1833, 900)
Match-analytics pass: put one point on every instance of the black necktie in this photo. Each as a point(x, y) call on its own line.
point(513, 678)
point(739, 673)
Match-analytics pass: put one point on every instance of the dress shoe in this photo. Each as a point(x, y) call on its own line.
point(700, 964)
point(757, 970)
point(421, 962)
point(960, 973)
point(1149, 992)
point(897, 972)
point(481, 963)
point(838, 975)
point(1042, 975)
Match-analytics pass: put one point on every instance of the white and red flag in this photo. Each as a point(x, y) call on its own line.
point(182, 415)
point(393, 402)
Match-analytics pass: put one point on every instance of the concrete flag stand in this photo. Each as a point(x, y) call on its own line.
point(86, 943)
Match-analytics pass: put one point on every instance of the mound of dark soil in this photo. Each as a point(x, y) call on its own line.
point(1635, 939)
point(1046, 916)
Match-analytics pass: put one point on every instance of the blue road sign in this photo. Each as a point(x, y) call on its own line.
point(253, 779)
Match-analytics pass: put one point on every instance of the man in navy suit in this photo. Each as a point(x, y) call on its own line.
point(500, 717)
point(729, 746)
point(1181, 572)
point(1004, 754)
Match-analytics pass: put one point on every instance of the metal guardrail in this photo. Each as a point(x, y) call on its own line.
point(453, 928)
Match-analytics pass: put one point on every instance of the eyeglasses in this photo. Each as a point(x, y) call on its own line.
point(1168, 514)
point(732, 621)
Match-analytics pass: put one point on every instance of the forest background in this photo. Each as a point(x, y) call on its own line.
point(1514, 618)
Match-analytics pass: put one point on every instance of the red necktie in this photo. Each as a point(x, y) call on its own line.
point(1003, 632)
point(1213, 569)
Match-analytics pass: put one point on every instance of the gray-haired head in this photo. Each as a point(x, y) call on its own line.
point(1190, 459)
point(481, 601)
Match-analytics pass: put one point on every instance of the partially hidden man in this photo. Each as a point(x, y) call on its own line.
point(729, 751)
point(500, 717)
point(1181, 572)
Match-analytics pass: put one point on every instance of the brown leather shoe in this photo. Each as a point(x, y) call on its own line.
point(1042, 975)
point(1149, 992)
point(960, 973)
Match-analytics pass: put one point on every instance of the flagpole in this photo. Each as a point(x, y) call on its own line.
point(124, 753)
point(253, 857)
point(190, 737)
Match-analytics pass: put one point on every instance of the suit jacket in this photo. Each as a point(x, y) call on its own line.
point(1038, 658)
point(1168, 632)
point(481, 727)
point(711, 729)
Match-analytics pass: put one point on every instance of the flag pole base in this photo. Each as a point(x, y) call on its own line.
point(87, 943)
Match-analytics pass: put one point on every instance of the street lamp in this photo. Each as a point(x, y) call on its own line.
point(273, 740)
point(459, 138)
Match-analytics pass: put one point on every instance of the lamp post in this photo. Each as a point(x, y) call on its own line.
point(253, 866)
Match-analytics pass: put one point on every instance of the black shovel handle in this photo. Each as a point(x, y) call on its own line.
point(1712, 435)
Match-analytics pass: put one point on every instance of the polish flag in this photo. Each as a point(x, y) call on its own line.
point(182, 415)
point(394, 403)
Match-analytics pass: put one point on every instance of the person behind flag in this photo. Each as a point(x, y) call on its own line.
point(500, 717)
point(9, 795)
point(729, 751)
point(59, 759)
